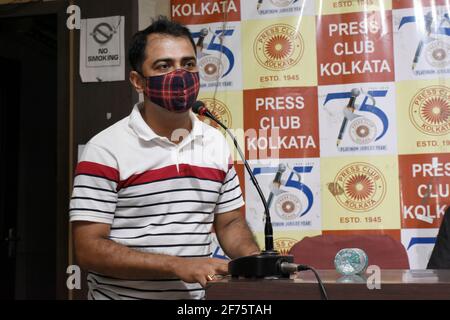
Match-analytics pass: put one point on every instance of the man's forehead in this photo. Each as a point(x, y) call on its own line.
point(162, 42)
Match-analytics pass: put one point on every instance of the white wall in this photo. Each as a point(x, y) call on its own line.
point(149, 9)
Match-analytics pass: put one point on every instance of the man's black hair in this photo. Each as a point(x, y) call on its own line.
point(162, 25)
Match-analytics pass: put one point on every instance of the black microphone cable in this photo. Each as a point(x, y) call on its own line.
point(290, 268)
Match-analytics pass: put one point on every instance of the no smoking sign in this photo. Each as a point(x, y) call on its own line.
point(103, 42)
point(103, 33)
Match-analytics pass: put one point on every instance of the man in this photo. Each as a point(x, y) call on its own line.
point(149, 189)
point(440, 257)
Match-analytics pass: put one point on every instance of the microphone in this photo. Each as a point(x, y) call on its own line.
point(199, 108)
point(276, 183)
point(203, 33)
point(428, 23)
point(268, 262)
point(259, 5)
point(351, 106)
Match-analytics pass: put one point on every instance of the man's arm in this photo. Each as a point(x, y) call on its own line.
point(234, 235)
point(95, 252)
point(440, 257)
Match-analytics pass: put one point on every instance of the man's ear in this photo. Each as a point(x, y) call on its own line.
point(137, 81)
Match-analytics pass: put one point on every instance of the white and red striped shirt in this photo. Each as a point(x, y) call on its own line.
point(158, 197)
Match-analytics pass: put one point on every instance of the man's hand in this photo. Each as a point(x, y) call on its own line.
point(197, 270)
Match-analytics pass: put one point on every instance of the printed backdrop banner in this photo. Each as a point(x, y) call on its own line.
point(346, 102)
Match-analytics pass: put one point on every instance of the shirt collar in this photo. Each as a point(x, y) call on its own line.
point(144, 132)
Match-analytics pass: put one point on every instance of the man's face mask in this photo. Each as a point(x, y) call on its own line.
point(175, 91)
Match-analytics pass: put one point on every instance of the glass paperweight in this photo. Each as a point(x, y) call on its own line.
point(356, 278)
point(351, 261)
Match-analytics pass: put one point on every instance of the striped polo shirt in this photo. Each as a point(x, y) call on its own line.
point(158, 197)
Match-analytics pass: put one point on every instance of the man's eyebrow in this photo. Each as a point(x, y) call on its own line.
point(168, 60)
point(162, 60)
point(188, 58)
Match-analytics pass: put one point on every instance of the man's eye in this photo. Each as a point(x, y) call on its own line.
point(162, 66)
point(191, 64)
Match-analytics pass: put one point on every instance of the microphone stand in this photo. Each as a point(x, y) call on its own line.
point(268, 262)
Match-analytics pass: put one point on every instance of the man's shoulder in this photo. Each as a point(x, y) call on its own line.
point(211, 133)
point(112, 135)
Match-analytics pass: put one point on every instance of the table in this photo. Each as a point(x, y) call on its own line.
point(394, 284)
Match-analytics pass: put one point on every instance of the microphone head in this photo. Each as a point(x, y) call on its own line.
point(355, 92)
point(204, 32)
point(281, 167)
point(198, 106)
point(428, 21)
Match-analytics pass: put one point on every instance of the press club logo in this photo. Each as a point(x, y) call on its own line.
point(360, 116)
point(288, 205)
point(283, 245)
point(211, 68)
point(435, 27)
point(291, 199)
point(363, 131)
point(219, 110)
point(278, 47)
point(215, 58)
point(438, 54)
point(358, 187)
point(429, 110)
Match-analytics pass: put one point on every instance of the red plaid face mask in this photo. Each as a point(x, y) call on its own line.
point(175, 91)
